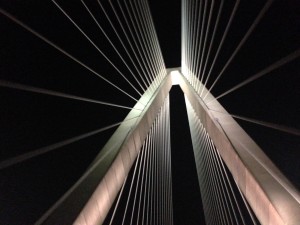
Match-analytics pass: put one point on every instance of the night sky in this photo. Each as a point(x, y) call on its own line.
point(30, 121)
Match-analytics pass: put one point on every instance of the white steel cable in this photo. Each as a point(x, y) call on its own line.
point(244, 39)
point(123, 44)
point(97, 48)
point(62, 51)
point(114, 47)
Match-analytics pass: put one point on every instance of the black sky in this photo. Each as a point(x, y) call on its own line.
point(30, 121)
point(187, 200)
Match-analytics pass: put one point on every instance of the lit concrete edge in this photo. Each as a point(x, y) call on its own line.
point(89, 201)
point(271, 196)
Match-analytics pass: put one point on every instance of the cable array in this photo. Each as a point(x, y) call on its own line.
point(136, 59)
point(201, 49)
point(202, 46)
